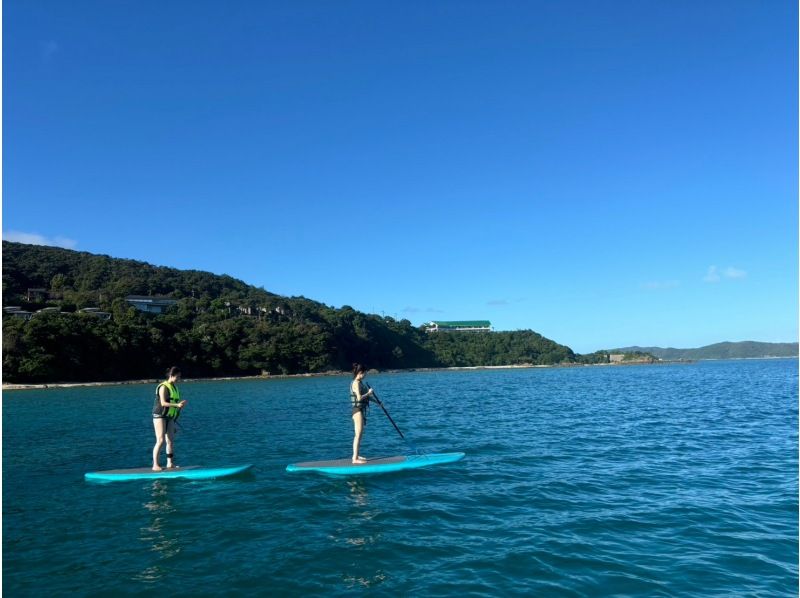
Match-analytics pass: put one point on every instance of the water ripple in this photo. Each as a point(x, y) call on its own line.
point(651, 481)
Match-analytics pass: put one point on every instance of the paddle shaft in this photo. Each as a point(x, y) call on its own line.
point(377, 400)
point(387, 415)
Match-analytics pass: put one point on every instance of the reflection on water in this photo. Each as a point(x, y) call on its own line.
point(360, 512)
point(363, 582)
point(158, 535)
point(358, 492)
point(359, 498)
point(358, 517)
point(359, 532)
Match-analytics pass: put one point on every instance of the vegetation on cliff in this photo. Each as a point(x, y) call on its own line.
point(220, 326)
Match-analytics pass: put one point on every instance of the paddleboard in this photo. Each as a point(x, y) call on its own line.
point(378, 465)
point(191, 472)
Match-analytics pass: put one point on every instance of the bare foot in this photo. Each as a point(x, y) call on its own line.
point(173, 466)
point(157, 468)
point(359, 460)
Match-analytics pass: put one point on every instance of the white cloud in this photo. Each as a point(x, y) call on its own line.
point(37, 239)
point(714, 274)
point(731, 272)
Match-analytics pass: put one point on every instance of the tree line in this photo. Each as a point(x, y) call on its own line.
point(207, 333)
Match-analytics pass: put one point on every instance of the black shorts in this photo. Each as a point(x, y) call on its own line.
point(170, 420)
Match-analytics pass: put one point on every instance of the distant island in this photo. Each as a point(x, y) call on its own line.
point(727, 350)
point(71, 316)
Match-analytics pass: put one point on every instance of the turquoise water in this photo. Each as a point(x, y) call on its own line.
point(667, 480)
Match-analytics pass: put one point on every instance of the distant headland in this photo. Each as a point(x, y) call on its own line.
point(726, 350)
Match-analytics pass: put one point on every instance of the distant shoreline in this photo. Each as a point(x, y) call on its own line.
point(333, 373)
point(330, 373)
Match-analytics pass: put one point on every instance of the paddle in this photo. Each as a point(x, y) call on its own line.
point(378, 401)
point(175, 419)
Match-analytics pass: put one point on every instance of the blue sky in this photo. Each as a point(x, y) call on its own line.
point(605, 173)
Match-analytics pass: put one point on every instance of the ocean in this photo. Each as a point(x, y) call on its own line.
point(657, 480)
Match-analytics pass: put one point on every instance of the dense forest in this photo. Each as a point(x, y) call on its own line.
point(219, 326)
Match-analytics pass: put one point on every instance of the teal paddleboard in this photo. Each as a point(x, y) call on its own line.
point(191, 472)
point(379, 465)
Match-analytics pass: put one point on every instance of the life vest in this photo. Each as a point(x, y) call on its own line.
point(174, 397)
point(354, 402)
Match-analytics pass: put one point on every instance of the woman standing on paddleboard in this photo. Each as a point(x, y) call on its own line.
point(167, 407)
point(359, 401)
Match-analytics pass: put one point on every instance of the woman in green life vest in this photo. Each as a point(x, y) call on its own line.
point(166, 409)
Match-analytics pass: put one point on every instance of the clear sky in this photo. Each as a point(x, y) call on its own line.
point(605, 173)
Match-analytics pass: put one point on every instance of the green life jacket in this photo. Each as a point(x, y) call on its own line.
point(174, 397)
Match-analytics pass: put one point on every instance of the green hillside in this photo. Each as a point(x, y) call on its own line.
point(727, 350)
point(220, 326)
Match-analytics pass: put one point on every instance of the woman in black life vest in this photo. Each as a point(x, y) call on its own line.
point(359, 401)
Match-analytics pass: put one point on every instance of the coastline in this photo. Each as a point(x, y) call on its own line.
point(330, 373)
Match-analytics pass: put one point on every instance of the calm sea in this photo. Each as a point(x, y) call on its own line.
point(671, 480)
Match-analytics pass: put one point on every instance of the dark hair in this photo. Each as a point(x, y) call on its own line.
point(357, 369)
point(173, 371)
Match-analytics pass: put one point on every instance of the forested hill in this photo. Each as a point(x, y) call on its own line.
point(740, 350)
point(219, 326)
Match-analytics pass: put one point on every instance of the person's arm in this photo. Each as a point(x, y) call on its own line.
point(163, 398)
point(371, 395)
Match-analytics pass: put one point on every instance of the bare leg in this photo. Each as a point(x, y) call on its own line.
point(170, 442)
point(358, 423)
point(159, 424)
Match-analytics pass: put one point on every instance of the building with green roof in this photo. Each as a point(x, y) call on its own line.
point(459, 326)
